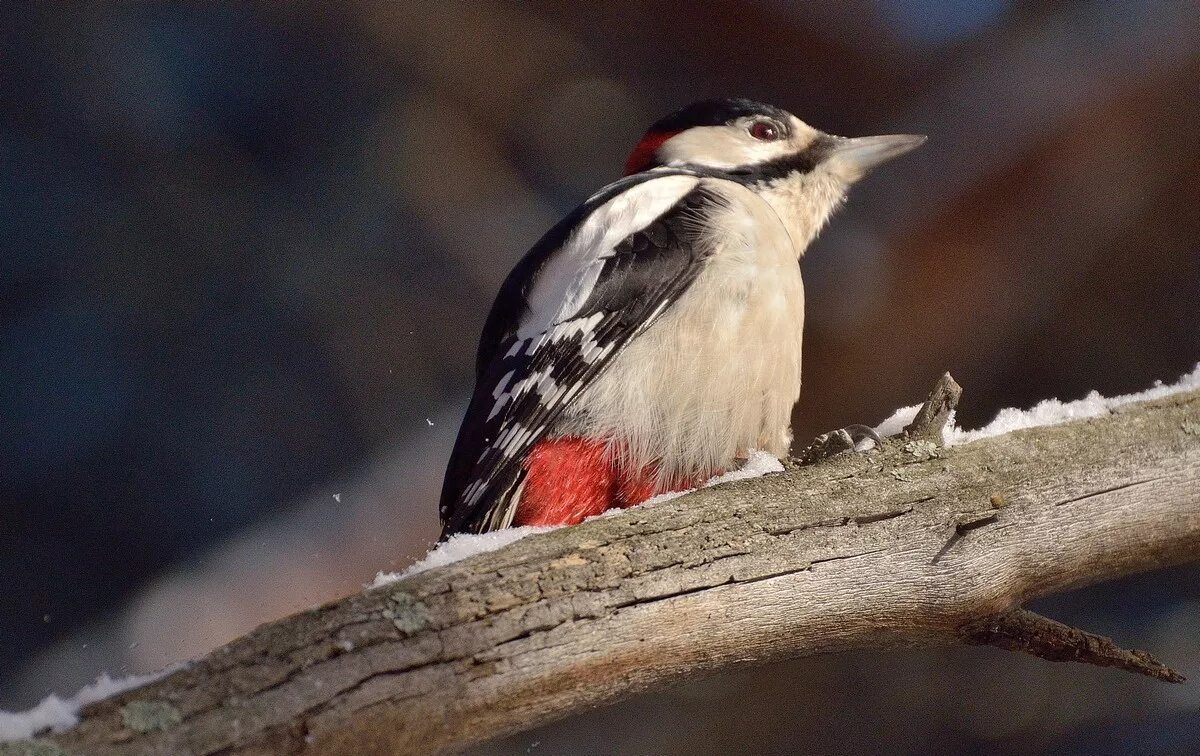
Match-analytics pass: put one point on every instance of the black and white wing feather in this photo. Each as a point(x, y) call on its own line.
point(594, 282)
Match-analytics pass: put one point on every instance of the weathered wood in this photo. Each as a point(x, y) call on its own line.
point(931, 418)
point(906, 545)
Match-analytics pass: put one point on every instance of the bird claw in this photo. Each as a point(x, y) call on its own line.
point(836, 442)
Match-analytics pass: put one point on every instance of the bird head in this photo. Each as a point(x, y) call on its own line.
point(802, 172)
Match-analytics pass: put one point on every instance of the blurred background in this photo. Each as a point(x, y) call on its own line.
point(247, 249)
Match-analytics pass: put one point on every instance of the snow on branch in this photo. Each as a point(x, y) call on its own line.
point(908, 544)
point(1044, 413)
point(57, 714)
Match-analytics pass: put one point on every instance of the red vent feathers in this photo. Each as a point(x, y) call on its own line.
point(570, 479)
point(642, 156)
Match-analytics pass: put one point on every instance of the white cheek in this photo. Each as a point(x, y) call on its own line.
point(722, 147)
point(762, 152)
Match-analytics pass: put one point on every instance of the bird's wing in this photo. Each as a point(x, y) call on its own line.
point(592, 284)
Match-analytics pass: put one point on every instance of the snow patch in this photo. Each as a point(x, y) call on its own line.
point(758, 464)
point(898, 421)
point(458, 547)
point(1046, 412)
point(58, 714)
point(1054, 412)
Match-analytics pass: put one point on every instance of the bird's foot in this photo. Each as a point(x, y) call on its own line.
point(836, 442)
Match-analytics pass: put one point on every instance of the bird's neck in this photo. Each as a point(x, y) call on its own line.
point(804, 202)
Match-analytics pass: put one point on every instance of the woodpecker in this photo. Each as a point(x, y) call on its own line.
point(652, 338)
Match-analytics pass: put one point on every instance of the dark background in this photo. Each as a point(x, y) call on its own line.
point(246, 249)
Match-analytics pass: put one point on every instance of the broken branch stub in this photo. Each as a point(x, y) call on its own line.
point(931, 418)
point(1031, 633)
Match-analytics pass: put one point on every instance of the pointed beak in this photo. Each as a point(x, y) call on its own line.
point(851, 159)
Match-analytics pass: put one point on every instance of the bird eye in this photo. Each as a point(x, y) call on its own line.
point(764, 131)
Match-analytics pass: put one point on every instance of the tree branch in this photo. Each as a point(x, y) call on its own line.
point(906, 545)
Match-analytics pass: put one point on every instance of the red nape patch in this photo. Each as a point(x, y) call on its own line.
point(642, 156)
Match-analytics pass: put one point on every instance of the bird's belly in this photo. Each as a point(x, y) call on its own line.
point(716, 376)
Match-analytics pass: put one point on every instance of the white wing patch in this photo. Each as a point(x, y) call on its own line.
point(568, 278)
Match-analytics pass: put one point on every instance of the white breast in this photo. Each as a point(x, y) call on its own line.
point(719, 373)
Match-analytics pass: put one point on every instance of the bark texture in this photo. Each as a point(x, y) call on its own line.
point(907, 545)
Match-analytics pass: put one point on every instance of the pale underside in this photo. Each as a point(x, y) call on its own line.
point(719, 372)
